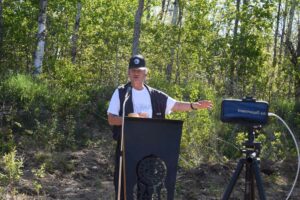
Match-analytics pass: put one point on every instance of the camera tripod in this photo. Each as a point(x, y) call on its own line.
point(251, 161)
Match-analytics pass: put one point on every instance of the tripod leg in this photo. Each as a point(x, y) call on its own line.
point(259, 184)
point(249, 181)
point(233, 179)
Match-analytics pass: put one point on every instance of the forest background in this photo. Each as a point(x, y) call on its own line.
point(61, 60)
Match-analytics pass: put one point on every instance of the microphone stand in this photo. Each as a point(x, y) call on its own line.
point(122, 151)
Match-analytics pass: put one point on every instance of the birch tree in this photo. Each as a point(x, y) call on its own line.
point(165, 11)
point(75, 33)
point(39, 53)
point(137, 27)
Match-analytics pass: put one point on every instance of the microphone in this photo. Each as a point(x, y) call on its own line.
point(129, 88)
point(122, 153)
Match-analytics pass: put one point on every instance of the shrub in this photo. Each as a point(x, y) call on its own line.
point(12, 171)
point(24, 91)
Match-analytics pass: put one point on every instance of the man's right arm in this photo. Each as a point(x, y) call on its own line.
point(114, 120)
point(113, 110)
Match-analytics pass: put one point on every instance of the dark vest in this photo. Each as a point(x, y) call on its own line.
point(158, 102)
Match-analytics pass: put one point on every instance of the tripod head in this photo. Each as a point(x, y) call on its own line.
point(251, 148)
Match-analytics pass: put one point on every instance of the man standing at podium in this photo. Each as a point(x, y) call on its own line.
point(143, 101)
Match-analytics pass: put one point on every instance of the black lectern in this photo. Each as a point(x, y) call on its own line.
point(151, 154)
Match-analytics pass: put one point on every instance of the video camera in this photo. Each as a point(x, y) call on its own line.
point(247, 111)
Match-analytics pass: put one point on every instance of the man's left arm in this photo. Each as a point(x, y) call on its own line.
point(180, 106)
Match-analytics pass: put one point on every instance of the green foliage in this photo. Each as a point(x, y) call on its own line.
point(198, 137)
point(283, 108)
point(198, 140)
point(65, 93)
point(68, 86)
point(12, 171)
point(227, 146)
point(24, 91)
point(20, 27)
point(274, 148)
point(48, 134)
point(7, 143)
point(50, 162)
point(38, 173)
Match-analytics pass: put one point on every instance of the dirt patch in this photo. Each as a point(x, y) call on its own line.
point(209, 181)
point(83, 174)
point(87, 174)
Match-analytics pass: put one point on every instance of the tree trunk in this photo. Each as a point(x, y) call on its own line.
point(274, 63)
point(288, 41)
point(177, 75)
point(169, 67)
point(137, 28)
point(297, 69)
point(290, 24)
point(276, 35)
point(75, 33)
point(295, 55)
point(175, 12)
point(180, 17)
point(39, 54)
point(166, 11)
point(162, 12)
point(117, 70)
point(283, 31)
point(1, 30)
point(231, 85)
point(148, 8)
point(296, 61)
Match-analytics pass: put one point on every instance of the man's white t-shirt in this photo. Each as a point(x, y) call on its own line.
point(141, 103)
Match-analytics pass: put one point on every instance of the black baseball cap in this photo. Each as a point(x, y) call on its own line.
point(137, 62)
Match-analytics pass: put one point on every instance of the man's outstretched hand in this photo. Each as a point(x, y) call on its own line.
point(203, 104)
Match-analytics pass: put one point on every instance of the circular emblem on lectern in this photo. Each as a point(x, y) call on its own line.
point(152, 170)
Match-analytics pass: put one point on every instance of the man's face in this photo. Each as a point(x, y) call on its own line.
point(137, 76)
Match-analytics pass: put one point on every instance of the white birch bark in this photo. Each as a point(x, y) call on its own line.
point(175, 12)
point(39, 53)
